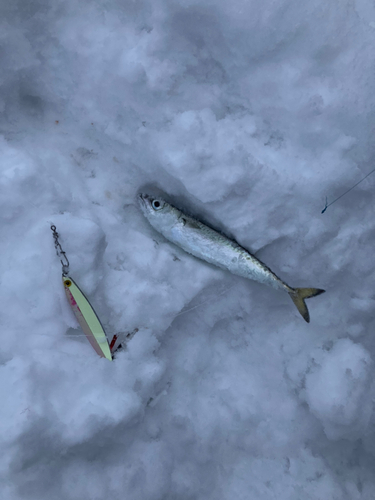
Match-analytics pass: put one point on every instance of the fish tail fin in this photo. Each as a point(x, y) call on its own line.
point(298, 295)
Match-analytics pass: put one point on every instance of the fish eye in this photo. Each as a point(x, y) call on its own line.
point(67, 282)
point(156, 205)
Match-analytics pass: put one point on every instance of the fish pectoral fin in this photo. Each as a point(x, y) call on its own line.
point(191, 223)
point(298, 295)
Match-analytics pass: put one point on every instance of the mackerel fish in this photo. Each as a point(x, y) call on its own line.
point(211, 246)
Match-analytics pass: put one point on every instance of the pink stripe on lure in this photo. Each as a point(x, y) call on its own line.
point(87, 318)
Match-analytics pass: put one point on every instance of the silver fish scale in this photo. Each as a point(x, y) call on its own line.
point(211, 246)
point(205, 243)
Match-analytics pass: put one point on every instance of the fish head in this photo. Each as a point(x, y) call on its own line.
point(159, 213)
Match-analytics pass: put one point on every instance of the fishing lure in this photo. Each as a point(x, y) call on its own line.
point(83, 311)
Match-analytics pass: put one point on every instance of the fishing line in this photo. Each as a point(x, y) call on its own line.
point(86, 316)
point(126, 336)
point(334, 201)
point(130, 335)
point(211, 299)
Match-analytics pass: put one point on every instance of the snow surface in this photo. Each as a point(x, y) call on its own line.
point(248, 114)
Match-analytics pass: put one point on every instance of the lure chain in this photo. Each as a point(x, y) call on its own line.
point(60, 252)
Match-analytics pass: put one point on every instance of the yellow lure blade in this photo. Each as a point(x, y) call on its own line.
point(87, 318)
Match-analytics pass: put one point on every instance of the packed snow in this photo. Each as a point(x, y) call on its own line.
point(248, 115)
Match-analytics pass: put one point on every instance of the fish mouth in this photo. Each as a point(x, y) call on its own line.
point(142, 198)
